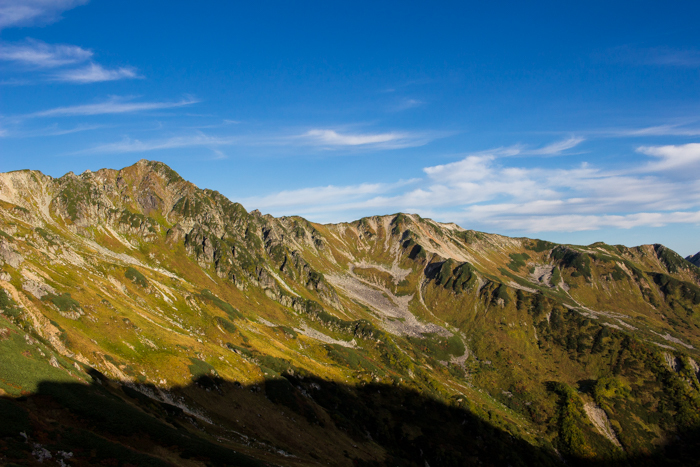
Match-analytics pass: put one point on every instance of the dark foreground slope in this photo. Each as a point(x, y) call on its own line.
point(111, 424)
point(144, 320)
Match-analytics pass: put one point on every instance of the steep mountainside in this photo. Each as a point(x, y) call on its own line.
point(695, 259)
point(145, 321)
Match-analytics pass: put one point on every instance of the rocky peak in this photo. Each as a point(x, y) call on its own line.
point(695, 259)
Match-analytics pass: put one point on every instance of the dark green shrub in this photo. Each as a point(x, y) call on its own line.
point(222, 305)
point(517, 260)
point(136, 277)
point(63, 302)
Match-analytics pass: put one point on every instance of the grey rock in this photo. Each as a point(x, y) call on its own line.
point(9, 255)
point(38, 289)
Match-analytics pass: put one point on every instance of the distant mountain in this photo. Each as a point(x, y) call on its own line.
point(695, 259)
point(145, 321)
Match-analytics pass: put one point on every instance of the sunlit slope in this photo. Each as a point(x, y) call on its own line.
point(279, 339)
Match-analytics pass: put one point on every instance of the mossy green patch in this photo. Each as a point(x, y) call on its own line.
point(517, 260)
point(63, 302)
point(222, 305)
point(200, 368)
point(136, 277)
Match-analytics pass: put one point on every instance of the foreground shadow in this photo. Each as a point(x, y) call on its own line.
point(107, 423)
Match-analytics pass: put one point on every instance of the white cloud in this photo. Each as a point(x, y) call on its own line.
point(469, 169)
point(35, 54)
point(553, 149)
point(112, 106)
point(664, 130)
point(42, 55)
point(480, 191)
point(94, 73)
point(557, 147)
point(673, 157)
point(333, 138)
point(33, 12)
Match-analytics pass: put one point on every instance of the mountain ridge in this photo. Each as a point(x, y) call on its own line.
point(154, 282)
point(695, 259)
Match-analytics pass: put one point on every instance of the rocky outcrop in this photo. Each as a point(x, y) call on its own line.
point(37, 288)
point(9, 255)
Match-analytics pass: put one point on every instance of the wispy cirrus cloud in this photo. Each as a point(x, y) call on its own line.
point(115, 105)
point(34, 12)
point(129, 145)
point(73, 64)
point(52, 130)
point(94, 73)
point(482, 190)
point(677, 129)
point(557, 147)
point(325, 195)
point(333, 139)
point(39, 54)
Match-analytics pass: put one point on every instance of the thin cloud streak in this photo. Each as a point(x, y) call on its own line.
point(326, 195)
point(95, 73)
point(656, 130)
point(128, 145)
point(332, 139)
point(558, 147)
point(52, 130)
point(34, 12)
point(112, 106)
point(37, 55)
point(42, 55)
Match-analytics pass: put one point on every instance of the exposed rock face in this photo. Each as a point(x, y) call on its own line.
point(9, 255)
point(36, 288)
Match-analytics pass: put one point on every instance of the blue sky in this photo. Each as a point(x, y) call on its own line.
point(570, 123)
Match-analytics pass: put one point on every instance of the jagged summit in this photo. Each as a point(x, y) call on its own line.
point(151, 292)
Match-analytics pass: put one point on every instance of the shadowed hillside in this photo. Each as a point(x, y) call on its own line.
point(112, 424)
